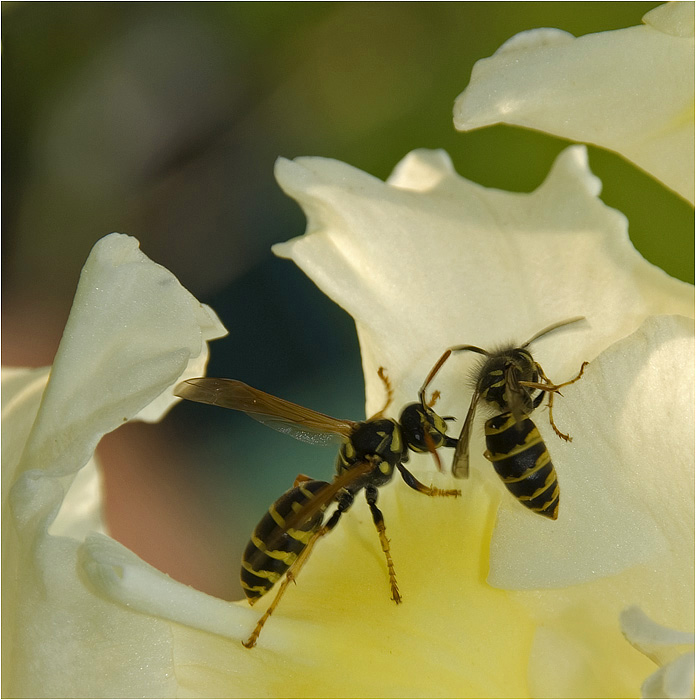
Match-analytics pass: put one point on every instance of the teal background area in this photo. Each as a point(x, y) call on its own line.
point(163, 120)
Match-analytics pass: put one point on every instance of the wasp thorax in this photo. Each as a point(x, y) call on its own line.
point(374, 439)
point(500, 376)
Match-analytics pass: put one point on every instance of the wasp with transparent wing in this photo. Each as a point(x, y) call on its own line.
point(369, 453)
point(508, 380)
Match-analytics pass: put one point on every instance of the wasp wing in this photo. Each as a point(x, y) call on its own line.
point(460, 463)
point(328, 494)
point(517, 396)
point(287, 417)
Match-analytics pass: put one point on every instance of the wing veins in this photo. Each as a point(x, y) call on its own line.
point(230, 393)
point(460, 462)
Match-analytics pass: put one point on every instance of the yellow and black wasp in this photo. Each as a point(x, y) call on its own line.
point(370, 451)
point(508, 379)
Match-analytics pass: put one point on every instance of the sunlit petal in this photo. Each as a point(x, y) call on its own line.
point(671, 649)
point(133, 333)
point(621, 503)
point(630, 91)
point(429, 259)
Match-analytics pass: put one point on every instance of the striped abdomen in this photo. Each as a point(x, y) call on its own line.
point(522, 461)
point(272, 548)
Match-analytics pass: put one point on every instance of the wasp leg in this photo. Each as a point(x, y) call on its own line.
point(449, 440)
point(422, 488)
point(561, 435)
point(574, 379)
point(553, 389)
point(345, 501)
point(390, 393)
point(290, 576)
point(378, 518)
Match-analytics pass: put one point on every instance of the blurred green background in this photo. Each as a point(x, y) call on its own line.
point(163, 120)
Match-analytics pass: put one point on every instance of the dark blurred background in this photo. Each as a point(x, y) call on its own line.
point(163, 120)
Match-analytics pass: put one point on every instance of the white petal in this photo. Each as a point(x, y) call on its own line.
point(133, 331)
point(671, 649)
point(673, 18)
point(626, 479)
point(22, 390)
point(120, 575)
point(652, 639)
point(675, 680)
point(630, 91)
point(80, 512)
point(429, 260)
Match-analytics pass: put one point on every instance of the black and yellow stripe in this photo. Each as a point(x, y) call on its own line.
point(273, 548)
point(494, 382)
point(379, 441)
point(522, 461)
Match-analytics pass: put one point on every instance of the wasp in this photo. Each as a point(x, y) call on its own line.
point(370, 452)
point(508, 379)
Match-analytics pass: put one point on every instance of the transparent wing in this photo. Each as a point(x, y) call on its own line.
point(287, 417)
point(327, 494)
point(460, 463)
point(516, 396)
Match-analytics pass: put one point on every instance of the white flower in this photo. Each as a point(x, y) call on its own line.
point(497, 601)
point(630, 91)
point(429, 260)
point(423, 261)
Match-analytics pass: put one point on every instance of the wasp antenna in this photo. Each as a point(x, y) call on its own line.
point(431, 376)
point(382, 373)
point(553, 327)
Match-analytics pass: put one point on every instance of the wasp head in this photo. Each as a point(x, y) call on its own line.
point(423, 429)
point(500, 377)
